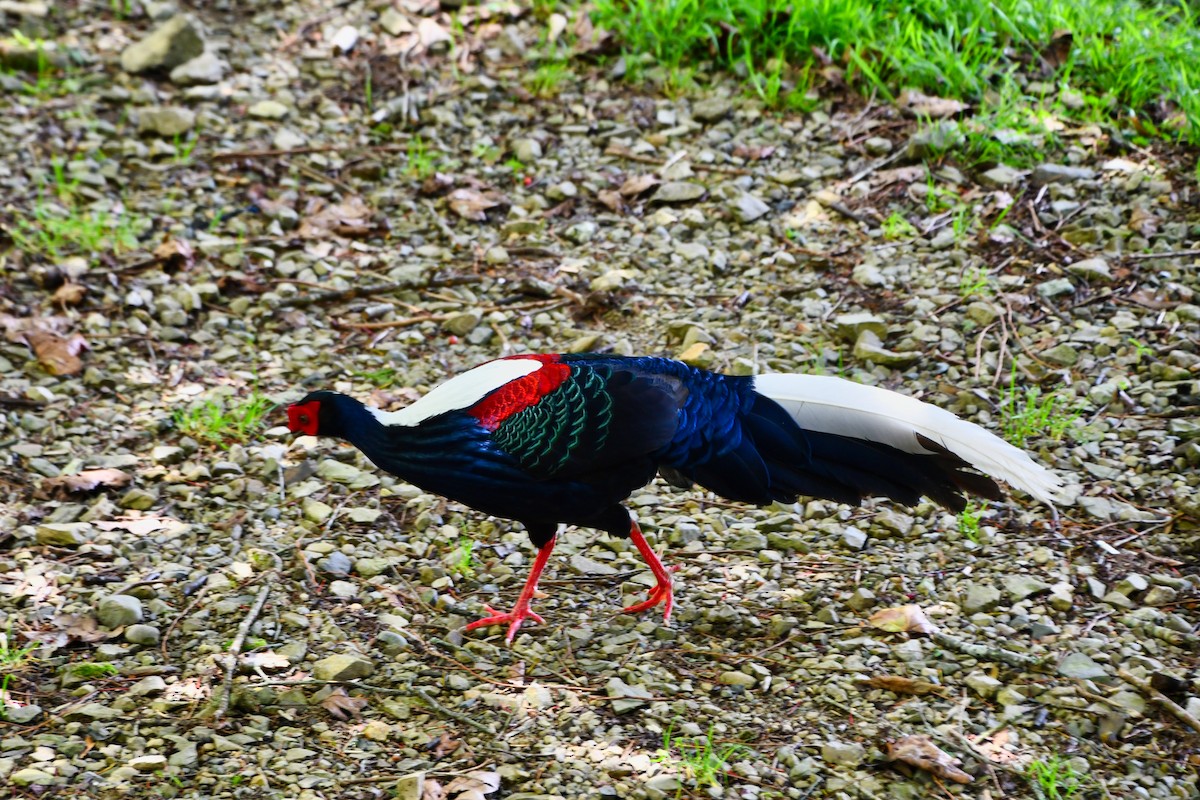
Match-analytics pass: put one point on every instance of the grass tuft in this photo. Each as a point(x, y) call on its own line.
point(224, 422)
point(700, 758)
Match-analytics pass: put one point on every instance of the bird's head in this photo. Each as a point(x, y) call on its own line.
point(316, 415)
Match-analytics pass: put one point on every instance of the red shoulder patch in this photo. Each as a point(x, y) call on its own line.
point(518, 395)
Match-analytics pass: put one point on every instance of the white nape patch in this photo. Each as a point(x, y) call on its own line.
point(461, 391)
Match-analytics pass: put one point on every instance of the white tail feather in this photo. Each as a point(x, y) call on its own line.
point(838, 406)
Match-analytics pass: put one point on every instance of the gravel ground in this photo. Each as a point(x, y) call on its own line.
point(379, 199)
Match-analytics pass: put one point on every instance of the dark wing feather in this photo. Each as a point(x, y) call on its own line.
point(601, 417)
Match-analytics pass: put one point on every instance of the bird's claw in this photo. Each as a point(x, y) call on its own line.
point(661, 593)
point(512, 618)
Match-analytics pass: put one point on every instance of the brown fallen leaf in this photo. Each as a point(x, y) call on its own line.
point(69, 294)
point(901, 685)
point(473, 785)
point(86, 481)
point(443, 746)
point(1143, 222)
point(918, 104)
point(349, 218)
point(922, 753)
point(342, 706)
point(638, 184)
point(1058, 50)
point(902, 619)
point(82, 628)
point(138, 526)
point(265, 661)
point(611, 200)
point(432, 790)
point(473, 205)
point(58, 355)
point(436, 184)
point(753, 153)
point(175, 255)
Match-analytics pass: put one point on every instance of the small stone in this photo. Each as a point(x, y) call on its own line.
point(1061, 597)
point(982, 684)
point(853, 538)
point(1062, 355)
point(581, 232)
point(935, 140)
point(32, 777)
point(582, 565)
point(1056, 287)
point(268, 109)
point(747, 208)
point(151, 684)
point(861, 599)
point(145, 635)
point(1058, 173)
point(1132, 583)
point(167, 454)
point(63, 534)
point(897, 522)
point(749, 540)
point(711, 109)
point(527, 150)
point(982, 313)
point(845, 754)
point(981, 597)
point(338, 471)
point(462, 324)
point(849, 327)
point(151, 763)
point(868, 274)
point(1091, 269)
point(1021, 586)
point(138, 499)
point(877, 146)
point(343, 667)
point(732, 678)
point(1160, 596)
point(119, 610)
point(173, 43)
point(626, 698)
point(316, 511)
point(336, 563)
point(345, 39)
point(679, 192)
point(1002, 175)
point(21, 715)
point(203, 70)
point(166, 121)
point(692, 251)
point(93, 711)
point(370, 567)
point(611, 281)
point(1081, 666)
point(344, 590)
point(869, 347)
point(496, 255)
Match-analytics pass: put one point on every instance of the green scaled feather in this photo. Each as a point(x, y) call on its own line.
point(571, 422)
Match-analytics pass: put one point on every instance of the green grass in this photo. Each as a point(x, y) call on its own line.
point(13, 658)
point(59, 224)
point(1054, 778)
point(1130, 62)
point(897, 227)
point(223, 422)
point(968, 520)
point(420, 159)
point(462, 563)
point(94, 670)
point(381, 378)
point(977, 282)
point(1030, 414)
point(700, 758)
point(548, 78)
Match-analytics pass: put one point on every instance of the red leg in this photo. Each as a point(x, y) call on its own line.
point(521, 609)
point(661, 593)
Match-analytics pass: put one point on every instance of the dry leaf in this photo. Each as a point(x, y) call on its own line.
point(918, 104)
point(266, 661)
point(432, 790)
point(175, 254)
point(342, 706)
point(82, 628)
point(436, 185)
point(473, 205)
point(85, 481)
point(902, 619)
point(473, 785)
point(351, 217)
point(431, 33)
point(189, 690)
point(611, 200)
point(638, 184)
point(69, 294)
point(1143, 222)
point(753, 153)
point(902, 685)
point(1058, 50)
point(443, 746)
point(58, 355)
point(997, 747)
point(922, 753)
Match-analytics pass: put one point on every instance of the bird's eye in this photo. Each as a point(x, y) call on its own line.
point(304, 419)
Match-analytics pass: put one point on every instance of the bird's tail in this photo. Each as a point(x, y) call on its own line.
point(875, 441)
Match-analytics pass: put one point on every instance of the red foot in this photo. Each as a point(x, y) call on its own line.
point(521, 610)
point(661, 593)
point(513, 619)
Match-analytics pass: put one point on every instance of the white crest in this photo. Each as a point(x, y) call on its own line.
point(461, 391)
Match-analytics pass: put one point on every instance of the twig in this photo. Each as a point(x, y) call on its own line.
point(300, 151)
point(1161, 699)
point(454, 715)
point(236, 648)
point(621, 152)
point(985, 651)
point(1167, 254)
point(858, 176)
point(1177, 638)
point(175, 622)
point(320, 176)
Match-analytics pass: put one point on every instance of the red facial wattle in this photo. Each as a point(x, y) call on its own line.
point(304, 418)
